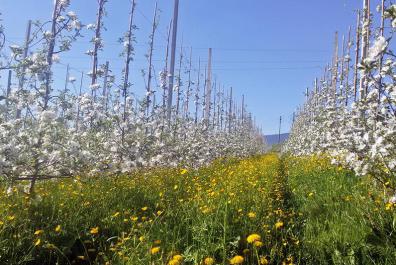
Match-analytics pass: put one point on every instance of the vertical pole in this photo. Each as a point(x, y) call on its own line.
point(173, 57)
point(365, 39)
point(197, 91)
point(152, 36)
point(8, 92)
point(78, 101)
point(342, 90)
point(25, 53)
point(230, 112)
point(335, 67)
point(348, 61)
point(280, 126)
point(97, 44)
point(382, 32)
point(166, 67)
point(188, 86)
point(178, 91)
point(105, 93)
point(209, 87)
point(127, 58)
point(357, 49)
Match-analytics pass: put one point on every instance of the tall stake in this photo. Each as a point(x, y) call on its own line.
point(78, 102)
point(152, 37)
point(348, 61)
point(209, 87)
point(188, 92)
point(105, 93)
point(178, 91)
point(128, 58)
point(335, 67)
point(8, 92)
point(355, 74)
point(197, 91)
point(230, 112)
point(166, 67)
point(280, 126)
point(365, 45)
point(97, 45)
point(173, 59)
point(25, 53)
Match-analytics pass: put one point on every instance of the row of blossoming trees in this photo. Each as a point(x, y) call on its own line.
point(351, 112)
point(49, 132)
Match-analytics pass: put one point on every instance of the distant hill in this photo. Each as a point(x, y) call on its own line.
point(273, 138)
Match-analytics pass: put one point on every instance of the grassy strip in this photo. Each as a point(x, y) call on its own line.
point(344, 219)
point(156, 217)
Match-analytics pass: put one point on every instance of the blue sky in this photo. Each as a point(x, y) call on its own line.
point(270, 51)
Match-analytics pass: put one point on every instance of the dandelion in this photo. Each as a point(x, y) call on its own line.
point(252, 215)
point(145, 208)
point(279, 224)
point(388, 206)
point(37, 243)
point(237, 260)
point(209, 261)
point(176, 260)
point(116, 214)
point(155, 250)
point(11, 217)
point(258, 244)
point(58, 229)
point(38, 232)
point(94, 230)
point(183, 171)
point(264, 261)
point(253, 238)
point(141, 238)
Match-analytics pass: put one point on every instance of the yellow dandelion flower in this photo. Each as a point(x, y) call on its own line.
point(264, 261)
point(252, 215)
point(155, 250)
point(388, 206)
point(258, 244)
point(279, 225)
point(58, 229)
point(116, 214)
point(142, 238)
point(237, 260)
point(174, 262)
point(11, 217)
point(145, 208)
point(134, 218)
point(253, 238)
point(209, 261)
point(37, 243)
point(178, 258)
point(94, 230)
point(183, 171)
point(38, 232)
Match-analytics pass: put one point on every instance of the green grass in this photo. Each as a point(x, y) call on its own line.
point(305, 211)
point(344, 218)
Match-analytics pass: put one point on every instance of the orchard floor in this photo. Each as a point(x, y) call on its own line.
point(261, 210)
